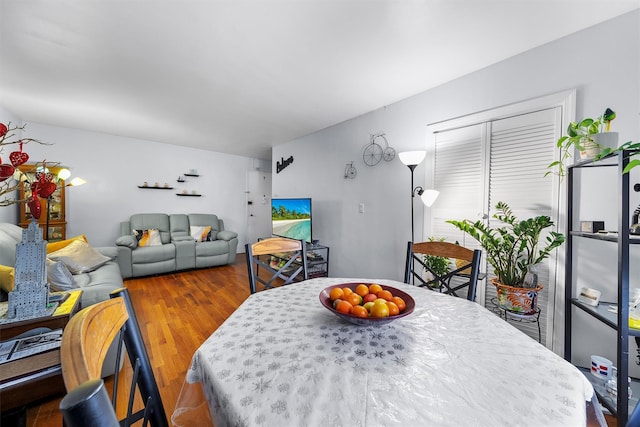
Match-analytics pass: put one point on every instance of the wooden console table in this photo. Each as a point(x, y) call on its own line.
point(43, 378)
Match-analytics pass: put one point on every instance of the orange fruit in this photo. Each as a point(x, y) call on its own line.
point(374, 288)
point(393, 308)
point(369, 298)
point(353, 298)
point(336, 302)
point(347, 291)
point(380, 310)
point(359, 311)
point(384, 294)
point(362, 290)
point(400, 303)
point(368, 305)
point(344, 307)
point(336, 293)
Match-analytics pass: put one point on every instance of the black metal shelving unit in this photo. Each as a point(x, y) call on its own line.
point(620, 406)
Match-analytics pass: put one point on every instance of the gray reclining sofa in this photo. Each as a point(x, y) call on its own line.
point(178, 251)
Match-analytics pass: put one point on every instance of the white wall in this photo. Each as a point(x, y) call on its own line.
point(372, 244)
point(114, 166)
point(10, 213)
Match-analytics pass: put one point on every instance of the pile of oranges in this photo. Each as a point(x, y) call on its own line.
point(366, 301)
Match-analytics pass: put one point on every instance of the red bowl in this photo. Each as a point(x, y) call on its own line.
point(325, 300)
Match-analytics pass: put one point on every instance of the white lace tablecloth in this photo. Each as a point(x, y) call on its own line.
point(282, 359)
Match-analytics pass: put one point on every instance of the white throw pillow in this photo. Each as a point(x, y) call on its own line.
point(79, 257)
point(200, 233)
point(150, 237)
point(59, 277)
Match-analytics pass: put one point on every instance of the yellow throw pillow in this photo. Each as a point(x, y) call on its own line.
point(55, 246)
point(7, 276)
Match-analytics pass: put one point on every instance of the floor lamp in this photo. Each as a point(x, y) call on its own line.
point(412, 159)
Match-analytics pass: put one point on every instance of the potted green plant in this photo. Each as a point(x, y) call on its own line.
point(591, 137)
point(513, 252)
point(438, 264)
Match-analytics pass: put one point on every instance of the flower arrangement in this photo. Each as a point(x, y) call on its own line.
point(11, 176)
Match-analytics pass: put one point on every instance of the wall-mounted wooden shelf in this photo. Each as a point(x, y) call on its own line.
point(188, 195)
point(148, 187)
point(190, 174)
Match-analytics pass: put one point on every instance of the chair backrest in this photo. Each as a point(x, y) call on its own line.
point(85, 342)
point(465, 273)
point(280, 258)
point(88, 405)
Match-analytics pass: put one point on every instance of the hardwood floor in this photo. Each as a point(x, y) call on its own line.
point(176, 313)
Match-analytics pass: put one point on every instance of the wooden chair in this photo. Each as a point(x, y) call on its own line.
point(466, 274)
point(85, 342)
point(280, 258)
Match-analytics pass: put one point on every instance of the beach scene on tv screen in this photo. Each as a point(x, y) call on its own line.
point(292, 218)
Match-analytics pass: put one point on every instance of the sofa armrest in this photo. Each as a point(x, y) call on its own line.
point(129, 241)
point(125, 261)
point(226, 235)
point(108, 251)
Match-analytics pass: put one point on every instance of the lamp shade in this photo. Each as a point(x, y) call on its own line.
point(428, 197)
point(64, 174)
point(412, 158)
point(77, 181)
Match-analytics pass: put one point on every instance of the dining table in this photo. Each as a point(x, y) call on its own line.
point(284, 359)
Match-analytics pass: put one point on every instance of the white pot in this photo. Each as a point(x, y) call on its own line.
point(597, 143)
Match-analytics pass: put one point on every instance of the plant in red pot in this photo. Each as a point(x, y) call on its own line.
point(513, 252)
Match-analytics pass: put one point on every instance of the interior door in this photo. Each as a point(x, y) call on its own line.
point(258, 205)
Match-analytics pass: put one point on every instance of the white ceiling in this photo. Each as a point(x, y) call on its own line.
point(240, 76)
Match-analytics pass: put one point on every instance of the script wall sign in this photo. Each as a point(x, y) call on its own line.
point(282, 163)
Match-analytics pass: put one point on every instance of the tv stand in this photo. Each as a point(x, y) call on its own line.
point(317, 260)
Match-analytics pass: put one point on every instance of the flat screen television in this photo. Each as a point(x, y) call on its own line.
point(291, 218)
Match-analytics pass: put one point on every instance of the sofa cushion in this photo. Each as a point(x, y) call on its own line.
point(59, 277)
point(8, 249)
point(79, 257)
point(217, 247)
point(147, 221)
point(98, 284)
point(150, 237)
point(7, 277)
point(54, 246)
point(151, 254)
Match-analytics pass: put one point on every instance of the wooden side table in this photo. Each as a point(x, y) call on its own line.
point(43, 376)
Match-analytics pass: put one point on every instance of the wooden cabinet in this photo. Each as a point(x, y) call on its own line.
point(56, 205)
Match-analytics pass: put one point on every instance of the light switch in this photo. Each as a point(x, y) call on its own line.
point(361, 208)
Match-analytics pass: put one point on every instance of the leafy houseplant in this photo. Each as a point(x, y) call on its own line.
point(440, 265)
point(512, 248)
point(585, 136)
